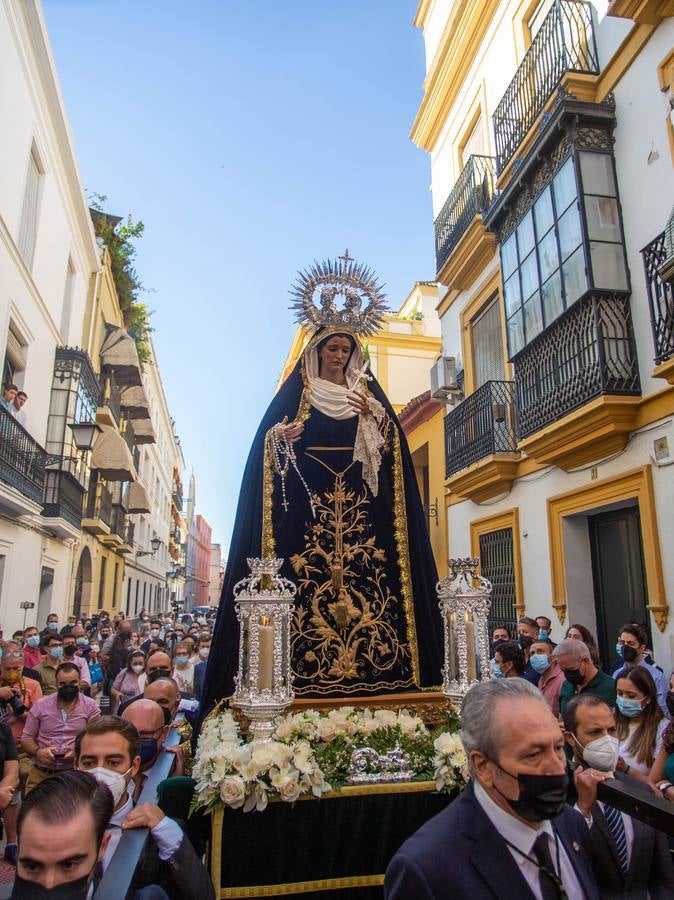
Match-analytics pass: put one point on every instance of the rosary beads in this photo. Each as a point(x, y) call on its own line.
point(283, 456)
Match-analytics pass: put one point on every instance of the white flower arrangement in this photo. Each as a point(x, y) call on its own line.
point(241, 773)
point(450, 761)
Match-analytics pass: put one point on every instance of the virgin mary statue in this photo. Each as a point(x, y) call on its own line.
point(329, 486)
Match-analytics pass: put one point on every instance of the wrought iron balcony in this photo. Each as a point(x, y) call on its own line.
point(178, 498)
point(588, 351)
point(111, 396)
point(118, 520)
point(99, 503)
point(564, 43)
point(64, 493)
point(481, 425)
point(660, 299)
point(470, 196)
point(22, 459)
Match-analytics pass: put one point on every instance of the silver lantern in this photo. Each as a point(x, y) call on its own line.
point(465, 600)
point(264, 607)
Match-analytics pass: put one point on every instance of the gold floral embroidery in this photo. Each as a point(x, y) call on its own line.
point(345, 629)
point(268, 542)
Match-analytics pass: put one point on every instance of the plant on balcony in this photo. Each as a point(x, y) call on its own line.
point(118, 237)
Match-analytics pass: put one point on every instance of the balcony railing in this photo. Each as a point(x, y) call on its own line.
point(99, 503)
point(587, 352)
point(481, 425)
point(111, 396)
point(63, 494)
point(118, 520)
point(178, 498)
point(22, 459)
point(128, 435)
point(470, 195)
point(660, 299)
point(565, 43)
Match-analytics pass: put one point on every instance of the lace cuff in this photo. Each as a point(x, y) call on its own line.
point(367, 449)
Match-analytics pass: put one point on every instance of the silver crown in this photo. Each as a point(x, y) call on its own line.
point(363, 307)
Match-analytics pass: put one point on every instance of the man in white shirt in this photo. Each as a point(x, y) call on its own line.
point(109, 749)
point(510, 835)
point(18, 411)
point(629, 858)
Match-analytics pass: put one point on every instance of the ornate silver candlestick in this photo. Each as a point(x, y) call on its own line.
point(465, 600)
point(264, 607)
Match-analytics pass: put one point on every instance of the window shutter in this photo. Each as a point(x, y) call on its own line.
point(28, 226)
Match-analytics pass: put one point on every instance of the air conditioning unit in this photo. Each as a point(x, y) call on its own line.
point(443, 378)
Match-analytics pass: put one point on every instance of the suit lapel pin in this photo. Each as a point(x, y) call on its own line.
point(576, 846)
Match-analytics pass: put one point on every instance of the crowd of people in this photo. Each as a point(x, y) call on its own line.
point(86, 705)
point(551, 724)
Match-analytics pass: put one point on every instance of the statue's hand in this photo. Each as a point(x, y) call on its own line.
point(358, 403)
point(290, 432)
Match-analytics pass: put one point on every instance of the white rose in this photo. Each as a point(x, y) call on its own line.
point(284, 730)
point(327, 730)
point(447, 743)
point(263, 755)
point(233, 791)
point(386, 718)
point(288, 788)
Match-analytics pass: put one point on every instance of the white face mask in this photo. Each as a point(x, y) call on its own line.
point(138, 668)
point(114, 781)
point(602, 753)
point(203, 652)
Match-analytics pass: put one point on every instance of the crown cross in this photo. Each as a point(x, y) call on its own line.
point(346, 258)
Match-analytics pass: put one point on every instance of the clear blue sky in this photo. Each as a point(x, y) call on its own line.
point(250, 138)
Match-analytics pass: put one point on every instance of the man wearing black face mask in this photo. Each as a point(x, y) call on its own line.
point(153, 724)
point(62, 838)
point(581, 674)
point(511, 834)
point(53, 723)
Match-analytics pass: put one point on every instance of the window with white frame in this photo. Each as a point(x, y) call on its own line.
point(30, 208)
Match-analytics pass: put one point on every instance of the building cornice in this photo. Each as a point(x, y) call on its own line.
point(464, 32)
point(422, 13)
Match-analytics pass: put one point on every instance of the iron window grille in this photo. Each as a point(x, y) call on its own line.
point(498, 565)
point(481, 425)
point(99, 501)
point(470, 196)
point(660, 299)
point(589, 351)
point(63, 494)
point(564, 43)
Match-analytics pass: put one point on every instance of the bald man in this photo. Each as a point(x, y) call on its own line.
point(151, 722)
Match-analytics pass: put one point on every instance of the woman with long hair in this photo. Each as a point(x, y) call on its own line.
point(640, 724)
point(581, 633)
point(129, 681)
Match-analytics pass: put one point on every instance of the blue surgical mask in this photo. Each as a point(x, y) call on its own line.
point(543, 634)
point(629, 708)
point(495, 670)
point(53, 626)
point(82, 642)
point(148, 749)
point(55, 652)
point(539, 662)
point(182, 660)
point(33, 640)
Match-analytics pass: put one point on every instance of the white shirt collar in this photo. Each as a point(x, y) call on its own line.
point(120, 814)
point(511, 829)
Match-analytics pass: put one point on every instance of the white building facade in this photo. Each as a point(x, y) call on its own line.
point(48, 253)
point(149, 582)
point(551, 153)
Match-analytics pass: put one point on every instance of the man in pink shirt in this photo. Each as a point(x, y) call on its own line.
point(552, 678)
point(32, 655)
point(53, 723)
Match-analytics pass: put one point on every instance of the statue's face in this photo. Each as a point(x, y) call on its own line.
point(334, 354)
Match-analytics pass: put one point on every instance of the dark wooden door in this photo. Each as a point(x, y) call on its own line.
point(618, 572)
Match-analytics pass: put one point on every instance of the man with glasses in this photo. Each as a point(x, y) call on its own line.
point(153, 725)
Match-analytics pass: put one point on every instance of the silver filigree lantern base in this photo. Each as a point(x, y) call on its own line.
point(264, 608)
point(465, 601)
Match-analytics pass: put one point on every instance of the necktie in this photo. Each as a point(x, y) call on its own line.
point(549, 883)
point(617, 828)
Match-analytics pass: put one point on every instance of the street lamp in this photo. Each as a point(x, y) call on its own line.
point(84, 434)
point(154, 543)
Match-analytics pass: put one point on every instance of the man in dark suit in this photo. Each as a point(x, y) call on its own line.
point(510, 835)
point(630, 859)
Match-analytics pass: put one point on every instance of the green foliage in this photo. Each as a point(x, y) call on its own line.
point(119, 236)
